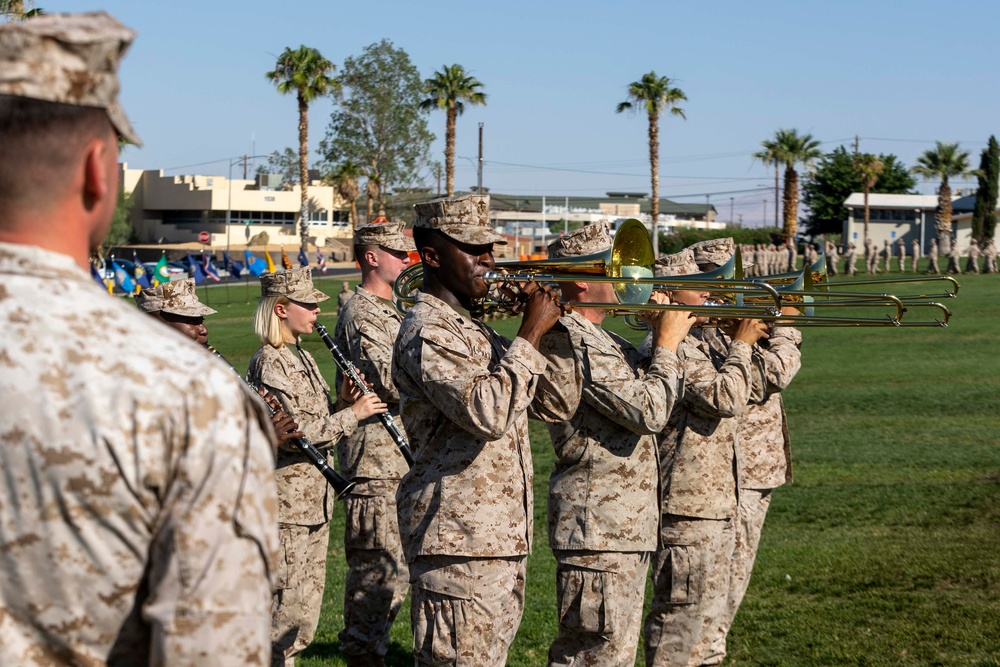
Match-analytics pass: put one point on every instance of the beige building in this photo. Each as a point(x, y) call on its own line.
point(176, 209)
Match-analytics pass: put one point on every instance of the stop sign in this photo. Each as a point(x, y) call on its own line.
point(204, 237)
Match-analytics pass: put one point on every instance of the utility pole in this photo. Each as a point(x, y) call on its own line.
point(479, 185)
point(765, 211)
point(857, 144)
point(731, 210)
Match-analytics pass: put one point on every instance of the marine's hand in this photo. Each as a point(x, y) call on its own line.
point(368, 405)
point(542, 309)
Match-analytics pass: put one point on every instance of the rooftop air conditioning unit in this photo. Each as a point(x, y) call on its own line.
point(269, 181)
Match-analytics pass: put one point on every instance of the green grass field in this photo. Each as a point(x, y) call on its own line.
point(886, 548)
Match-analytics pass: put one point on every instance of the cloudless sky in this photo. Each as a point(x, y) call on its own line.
point(898, 74)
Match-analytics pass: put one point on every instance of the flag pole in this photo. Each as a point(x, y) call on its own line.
point(206, 277)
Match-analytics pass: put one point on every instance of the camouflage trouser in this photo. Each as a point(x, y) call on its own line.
point(377, 576)
point(301, 577)
point(690, 592)
point(933, 265)
point(753, 509)
point(599, 598)
point(465, 611)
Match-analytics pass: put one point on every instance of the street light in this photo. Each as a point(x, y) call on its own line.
point(229, 201)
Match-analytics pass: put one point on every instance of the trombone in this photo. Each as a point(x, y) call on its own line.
point(628, 264)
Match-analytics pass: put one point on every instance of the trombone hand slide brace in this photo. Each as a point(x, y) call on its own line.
point(341, 486)
point(348, 369)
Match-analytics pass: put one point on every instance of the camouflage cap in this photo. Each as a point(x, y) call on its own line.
point(296, 284)
point(584, 241)
point(386, 234)
point(678, 264)
point(465, 219)
point(713, 251)
point(177, 297)
point(69, 59)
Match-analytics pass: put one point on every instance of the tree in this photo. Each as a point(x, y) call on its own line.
point(285, 163)
point(120, 232)
point(307, 74)
point(769, 157)
point(345, 181)
point(654, 94)
point(943, 162)
point(378, 123)
point(451, 89)
point(790, 149)
point(14, 10)
point(984, 218)
point(869, 168)
point(835, 178)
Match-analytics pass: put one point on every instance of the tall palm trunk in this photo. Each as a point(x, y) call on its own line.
point(303, 167)
point(654, 168)
point(372, 190)
point(449, 150)
point(776, 191)
point(791, 201)
point(942, 218)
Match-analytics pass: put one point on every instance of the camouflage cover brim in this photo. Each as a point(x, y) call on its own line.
point(472, 234)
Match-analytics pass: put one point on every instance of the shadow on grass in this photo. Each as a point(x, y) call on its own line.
point(398, 655)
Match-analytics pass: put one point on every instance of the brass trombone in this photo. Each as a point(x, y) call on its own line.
point(628, 264)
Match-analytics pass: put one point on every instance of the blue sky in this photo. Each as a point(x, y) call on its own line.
point(898, 74)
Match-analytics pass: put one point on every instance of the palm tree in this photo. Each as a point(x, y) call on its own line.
point(944, 161)
point(868, 167)
point(769, 157)
point(372, 190)
point(790, 149)
point(654, 94)
point(306, 73)
point(450, 89)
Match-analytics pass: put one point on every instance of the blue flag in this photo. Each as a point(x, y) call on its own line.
point(96, 275)
point(209, 268)
point(196, 272)
point(141, 276)
point(303, 260)
point(255, 265)
point(234, 268)
point(122, 278)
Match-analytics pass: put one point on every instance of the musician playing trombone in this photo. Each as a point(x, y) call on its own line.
point(765, 459)
point(603, 499)
point(465, 508)
point(698, 477)
point(287, 310)
point(377, 576)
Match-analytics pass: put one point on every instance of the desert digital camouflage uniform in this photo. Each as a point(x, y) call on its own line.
point(886, 256)
point(990, 255)
point(901, 245)
point(343, 296)
point(972, 264)
point(305, 499)
point(954, 259)
point(137, 508)
point(699, 464)
point(377, 576)
point(832, 258)
point(932, 256)
point(765, 454)
point(850, 259)
point(465, 508)
point(915, 253)
point(603, 505)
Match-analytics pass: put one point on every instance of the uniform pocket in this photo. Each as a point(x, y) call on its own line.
point(684, 574)
point(366, 522)
point(583, 601)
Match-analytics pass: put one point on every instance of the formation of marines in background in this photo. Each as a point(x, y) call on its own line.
point(153, 511)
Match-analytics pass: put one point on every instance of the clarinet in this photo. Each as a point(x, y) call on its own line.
point(348, 369)
point(341, 486)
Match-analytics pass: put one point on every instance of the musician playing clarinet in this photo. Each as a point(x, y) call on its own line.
point(288, 309)
point(465, 508)
point(377, 576)
point(177, 305)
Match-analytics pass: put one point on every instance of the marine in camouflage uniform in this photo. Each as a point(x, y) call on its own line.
point(932, 256)
point(465, 508)
point(762, 436)
point(343, 296)
point(603, 497)
point(699, 463)
point(137, 511)
point(377, 575)
point(305, 499)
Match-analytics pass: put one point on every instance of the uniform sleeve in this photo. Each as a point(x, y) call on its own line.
point(557, 395)
point(782, 358)
point(639, 404)
point(312, 410)
point(721, 392)
point(459, 383)
point(370, 349)
point(216, 541)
